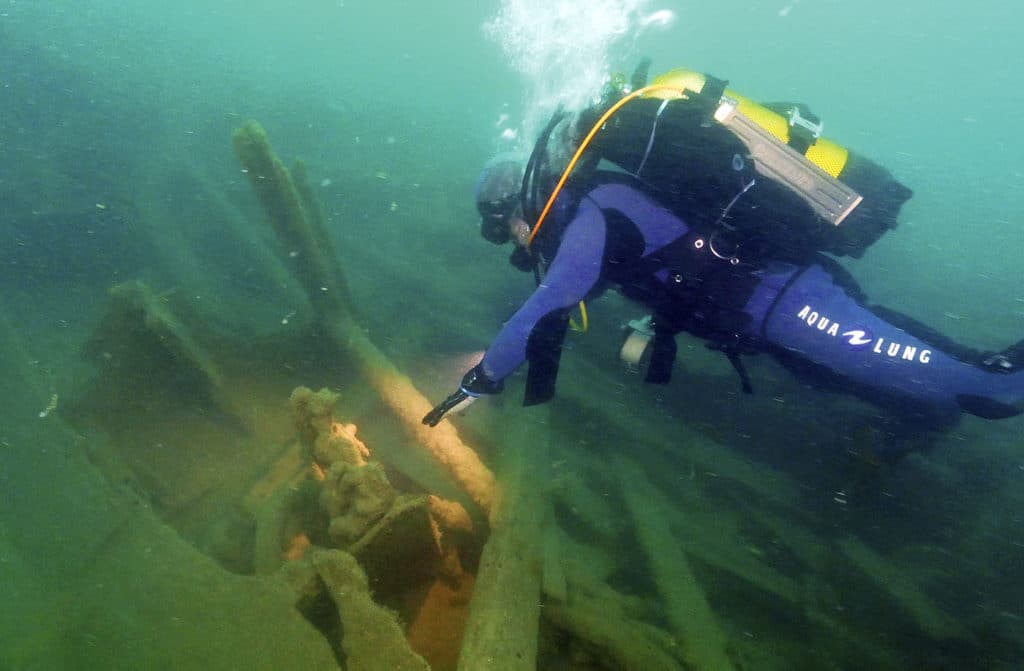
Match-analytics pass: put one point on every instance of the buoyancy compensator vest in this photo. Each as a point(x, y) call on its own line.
point(760, 173)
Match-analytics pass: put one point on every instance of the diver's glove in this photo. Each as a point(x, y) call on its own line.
point(474, 385)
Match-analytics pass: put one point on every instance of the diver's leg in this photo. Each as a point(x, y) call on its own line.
point(808, 318)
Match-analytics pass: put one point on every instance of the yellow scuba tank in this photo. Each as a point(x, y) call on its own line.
point(763, 171)
point(688, 131)
point(823, 153)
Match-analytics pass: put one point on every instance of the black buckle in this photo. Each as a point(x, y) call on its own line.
point(804, 128)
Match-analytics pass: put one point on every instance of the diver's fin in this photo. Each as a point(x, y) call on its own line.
point(1008, 362)
point(986, 408)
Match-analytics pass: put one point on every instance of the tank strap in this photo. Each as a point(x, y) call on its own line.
point(804, 125)
point(712, 91)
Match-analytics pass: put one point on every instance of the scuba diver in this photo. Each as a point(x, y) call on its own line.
point(722, 217)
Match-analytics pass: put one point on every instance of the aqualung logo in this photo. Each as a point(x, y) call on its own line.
point(858, 337)
point(861, 338)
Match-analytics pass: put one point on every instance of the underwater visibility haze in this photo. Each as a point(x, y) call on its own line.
point(240, 260)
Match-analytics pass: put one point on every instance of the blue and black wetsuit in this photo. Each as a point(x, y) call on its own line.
point(811, 317)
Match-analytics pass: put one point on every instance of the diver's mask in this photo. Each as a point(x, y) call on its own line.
point(497, 196)
point(496, 226)
point(494, 218)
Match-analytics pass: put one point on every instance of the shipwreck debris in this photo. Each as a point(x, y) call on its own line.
point(314, 264)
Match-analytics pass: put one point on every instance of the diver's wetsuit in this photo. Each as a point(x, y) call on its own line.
point(802, 315)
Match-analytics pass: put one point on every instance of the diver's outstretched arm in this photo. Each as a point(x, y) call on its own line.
point(539, 323)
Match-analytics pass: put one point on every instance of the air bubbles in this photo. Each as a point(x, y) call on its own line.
point(565, 49)
point(661, 19)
